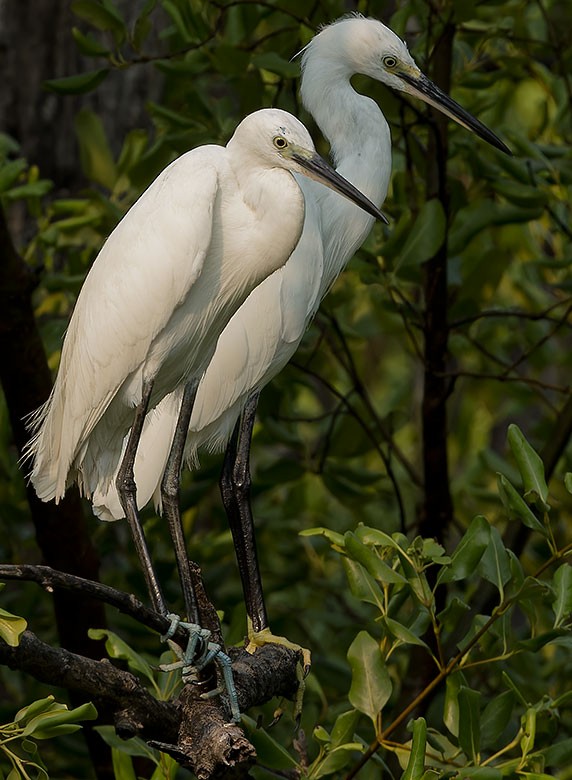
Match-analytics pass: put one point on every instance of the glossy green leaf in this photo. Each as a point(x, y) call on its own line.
point(516, 506)
point(468, 552)
point(494, 566)
point(344, 727)
point(332, 536)
point(334, 760)
point(118, 648)
point(562, 583)
point(416, 764)
point(401, 632)
point(131, 747)
point(496, 717)
point(269, 751)
point(426, 235)
point(122, 765)
point(50, 724)
point(371, 685)
point(377, 567)
point(453, 684)
point(11, 628)
point(469, 722)
point(362, 584)
point(480, 773)
point(530, 466)
point(36, 708)
point(77, 84)
point(568, 481)
point(528, 738)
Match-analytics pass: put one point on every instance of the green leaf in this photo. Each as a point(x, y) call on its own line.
point(416, 764)
point(334, 760)
point(333, 537)
point(496, 717)
point(530, 466)
point(453, 684)
point(426, 235)
point(10, 172)
point(362, 584)
point(88, 45)
point(132, 747)
point(371, 685)
point(122, 765)
point(468, 552)
point(35, 708)
point(117, 648)
point(480, 773)
point(562, 583)
point(269, 752)
point(369, 559)
point(102, 16)
point(96, 158)
point(273, 62)
point(516, 506)
point(568, 481)
point(11, 628)
point(344, 727)
point(78, 84)
point(528, 722)
point(51, 724)
point(401, 632)
point(495, 566)
point(469, 722)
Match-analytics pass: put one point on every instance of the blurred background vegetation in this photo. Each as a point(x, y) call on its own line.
point(98, 96)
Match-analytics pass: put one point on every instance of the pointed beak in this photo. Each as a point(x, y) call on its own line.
point(315, 167)
point(423, 88)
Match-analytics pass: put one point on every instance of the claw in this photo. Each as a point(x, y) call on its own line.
point(198, 654)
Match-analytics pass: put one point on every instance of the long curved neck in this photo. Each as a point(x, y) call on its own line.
point(353, 124)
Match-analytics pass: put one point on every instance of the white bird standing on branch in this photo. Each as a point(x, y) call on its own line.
point(210, 228)
point(265, 332)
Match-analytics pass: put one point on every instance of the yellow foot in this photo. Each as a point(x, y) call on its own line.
point(258, 639)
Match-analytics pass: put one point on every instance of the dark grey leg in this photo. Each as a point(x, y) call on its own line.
point(127, 490)
point(235, 491)
point(170, 487)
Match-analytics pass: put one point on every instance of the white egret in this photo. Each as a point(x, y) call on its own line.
point(267, 329)
point(210, 228)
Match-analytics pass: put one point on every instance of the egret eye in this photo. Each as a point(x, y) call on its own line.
point(389, 61)
point(280, 142)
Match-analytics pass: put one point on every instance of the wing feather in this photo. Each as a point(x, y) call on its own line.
point(142, 274)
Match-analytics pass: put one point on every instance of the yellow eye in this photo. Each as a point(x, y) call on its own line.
point(389, 62)
point(280, 142)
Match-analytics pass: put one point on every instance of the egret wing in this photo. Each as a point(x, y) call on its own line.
point(143, 273)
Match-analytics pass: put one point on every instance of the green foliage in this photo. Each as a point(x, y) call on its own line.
point(42, 720)
point(339, 442)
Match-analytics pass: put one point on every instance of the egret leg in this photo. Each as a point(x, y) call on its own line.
point(127, 491)
point(170, 489)
point(235, 486)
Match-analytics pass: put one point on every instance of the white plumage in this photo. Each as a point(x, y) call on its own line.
point(265, 332)
point(210, 228)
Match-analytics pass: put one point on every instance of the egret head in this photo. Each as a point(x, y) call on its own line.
point(276, 139)
point(355, 44)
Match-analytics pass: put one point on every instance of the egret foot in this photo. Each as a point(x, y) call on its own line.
point(199, 653)
point(258, 639)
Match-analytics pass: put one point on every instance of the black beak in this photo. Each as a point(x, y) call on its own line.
point(426, 90)
point(318, 169)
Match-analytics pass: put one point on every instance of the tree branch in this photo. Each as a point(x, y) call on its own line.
point(193, 730)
